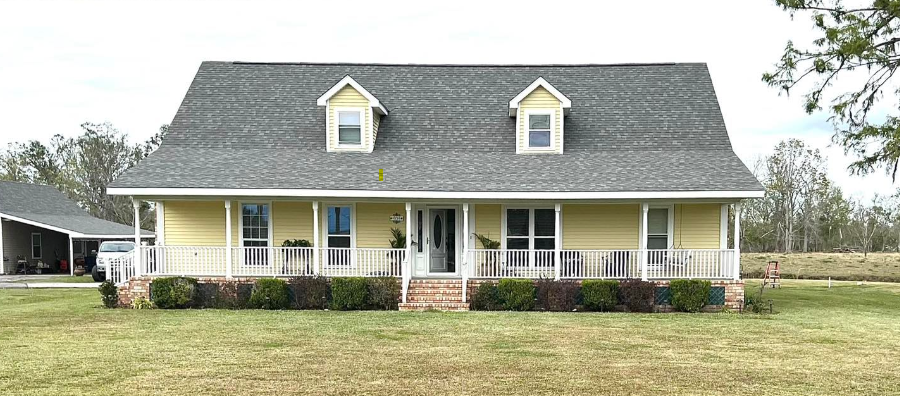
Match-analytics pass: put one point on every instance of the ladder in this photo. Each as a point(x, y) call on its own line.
point(773, 274)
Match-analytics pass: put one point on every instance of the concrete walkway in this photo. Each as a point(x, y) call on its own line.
point(22, 282)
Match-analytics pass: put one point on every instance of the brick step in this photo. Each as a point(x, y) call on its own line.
point(434, 293)
point(433, 299)
point(435, 286)
point(435, 282)
point(434, 306)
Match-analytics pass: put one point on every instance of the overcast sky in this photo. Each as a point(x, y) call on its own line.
point(130, 63)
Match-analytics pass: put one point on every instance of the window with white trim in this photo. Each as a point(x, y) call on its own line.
point(255, 224)
point(658, 228)
point(350, 127)
point(539, 130)
point(339, 234)
point(37, 246)
point(531, 229)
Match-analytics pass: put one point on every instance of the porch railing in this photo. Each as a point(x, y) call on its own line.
point(120, 269)
point(271, 261)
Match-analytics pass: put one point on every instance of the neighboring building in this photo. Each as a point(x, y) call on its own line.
point(577, 171)
point(40, 225)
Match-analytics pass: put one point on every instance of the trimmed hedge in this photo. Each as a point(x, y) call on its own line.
point(486, 298)
point(689, 295)
point(638, 295)
point(516, 294)
point(173, 292)
point(310, 292)
point(383, 293)
point(269, 293)
point(348, 293)
point(600, 295)
point(557, 295)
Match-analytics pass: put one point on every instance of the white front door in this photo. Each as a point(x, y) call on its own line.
point(438, 240)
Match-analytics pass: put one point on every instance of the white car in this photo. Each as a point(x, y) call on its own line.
point(109, 250)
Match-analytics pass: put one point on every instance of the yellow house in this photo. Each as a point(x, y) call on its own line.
point(488, 171)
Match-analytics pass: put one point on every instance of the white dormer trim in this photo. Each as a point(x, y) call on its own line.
point(540, 82)
point(347, 80)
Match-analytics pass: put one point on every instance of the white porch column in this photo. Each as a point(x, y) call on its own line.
point(71, 254)
point(3, 263)
point(465, 259)
point(160, 223)
point(137, 236)
point(737, 241)
point(229, 259)
point(315, 208)
point(557, 247)
point(645, 207)
point(406, 268)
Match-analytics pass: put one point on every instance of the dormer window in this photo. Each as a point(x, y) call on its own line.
point(539, 111)
point(352, 117)
point(350, 127)
point(539, 130)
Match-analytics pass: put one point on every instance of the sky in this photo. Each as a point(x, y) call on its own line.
point(129, 63)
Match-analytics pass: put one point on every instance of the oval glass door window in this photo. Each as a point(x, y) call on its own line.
point(438, 231)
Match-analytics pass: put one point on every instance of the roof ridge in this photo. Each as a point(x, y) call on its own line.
point(627, 64)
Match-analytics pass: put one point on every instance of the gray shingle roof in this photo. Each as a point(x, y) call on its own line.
point(653, 127)
point(47, 206)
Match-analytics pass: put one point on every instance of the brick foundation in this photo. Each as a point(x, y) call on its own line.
point(134, 289)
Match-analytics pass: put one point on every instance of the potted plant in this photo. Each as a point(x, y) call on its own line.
point(398, 241)
point(490, 258)
point(303, 257)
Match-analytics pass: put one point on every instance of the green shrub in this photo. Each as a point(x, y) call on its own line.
point(600, 295)
point(383, 293)
point(269, 293)
point(638, 295)
point(310, 292)
point(689, 295)
point(173, 292)
point(486, 298)
point(516, 294)
point(142, 303)
point(557, 295)
point(348, 293)
point(109, 294)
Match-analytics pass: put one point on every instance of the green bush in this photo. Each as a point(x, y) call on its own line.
point(600, 295)
point(173, 292)
point(689, 295)
point(142, 303)
point(638, 295)
point(557, 295)
point(269, 293)
point(348, 293)
point(383, 293)
point(516, 294)
point(109, 294)
point(310, 292)
point(486, 298)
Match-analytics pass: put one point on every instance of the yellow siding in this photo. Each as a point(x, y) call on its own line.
point(373, 223)
point(487, 222)
point(600, 226)
point(349, 97)
point(697, 226)
point(195, 223)
point(540, 98)
point(292, 220)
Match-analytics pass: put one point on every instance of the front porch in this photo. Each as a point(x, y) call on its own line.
point(652, 240)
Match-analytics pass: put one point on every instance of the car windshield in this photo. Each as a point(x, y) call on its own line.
point(116, 247)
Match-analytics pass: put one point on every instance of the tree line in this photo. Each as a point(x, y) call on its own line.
point(804, 211)
point(82, 167)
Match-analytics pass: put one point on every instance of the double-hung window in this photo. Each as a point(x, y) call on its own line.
point(527, 230)
point(658, 228)
point(37, 247)
point(349, 127)
point(339, 234)
point(255, 233)
point(539, 127)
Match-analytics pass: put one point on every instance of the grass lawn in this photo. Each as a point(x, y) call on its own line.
point(844, 266)
point(840, 341)
point(58, 279)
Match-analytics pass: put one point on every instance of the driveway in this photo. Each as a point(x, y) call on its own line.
point(43, 282)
